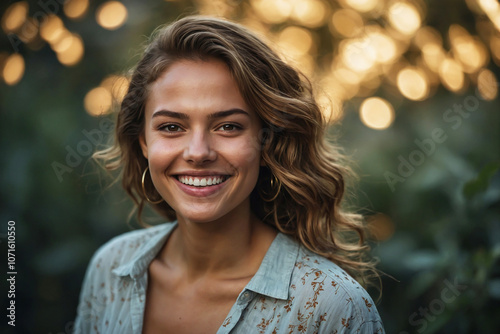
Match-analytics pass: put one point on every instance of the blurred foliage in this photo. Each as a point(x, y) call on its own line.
point(439, 236)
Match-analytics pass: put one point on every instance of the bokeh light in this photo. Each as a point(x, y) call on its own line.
point(495, 48)
point(427, 35)
point(98, 101)
point(111, 15)
point(347, 22)
point(362, 5)
point(404, 17)
point(358, 54)
point(469, 51)
point(15, 16)
point(385, 47)
point(52, 29)
point(295, 40)
point(13, 69)
point(75, 9)
point(433, 56)
point(117, 85)
point(376, 113)
point(451, 75)
point(70, 50)
point(274, 12)
point(487, 85)
point(310, 13)
point(413, 83)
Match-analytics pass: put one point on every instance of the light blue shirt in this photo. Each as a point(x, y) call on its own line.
point(293, 291)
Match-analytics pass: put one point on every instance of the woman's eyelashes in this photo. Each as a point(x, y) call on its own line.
point(176, 128)
point(170, 127)
point(230, 127)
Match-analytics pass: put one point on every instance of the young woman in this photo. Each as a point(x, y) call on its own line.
point(227, 141)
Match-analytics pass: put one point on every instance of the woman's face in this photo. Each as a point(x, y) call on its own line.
point(201, 141)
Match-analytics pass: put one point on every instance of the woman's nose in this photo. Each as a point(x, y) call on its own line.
point(199, 149)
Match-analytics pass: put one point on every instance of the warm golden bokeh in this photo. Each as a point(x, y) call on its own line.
point(451, 75)
point(75, 9)
point(295, 40)
point(13, 69)
point(52, 29)
point(386, 49)
point(413, 83)
point(98, 101)
point(404, 17)
point(375, 45)
point(433, 55)
point(358, 54)
point(469, 51)
point(362, 5)
point(273, 12)
point(347, 22)
point(70, 50)
point(117, 85)
point(487, 85)
point(111, 15)
point(310, 13)
point(15, 16)
point(492, 9)
point(376, 113)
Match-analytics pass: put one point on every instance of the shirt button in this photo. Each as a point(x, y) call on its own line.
point(245, 297)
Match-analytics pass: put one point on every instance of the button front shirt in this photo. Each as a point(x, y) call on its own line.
point(293, 291)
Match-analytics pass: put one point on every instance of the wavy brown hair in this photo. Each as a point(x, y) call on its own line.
point(301, 188)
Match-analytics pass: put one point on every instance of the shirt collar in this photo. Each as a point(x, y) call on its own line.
point(271, 279)
point(275, 272)
point(139, 264)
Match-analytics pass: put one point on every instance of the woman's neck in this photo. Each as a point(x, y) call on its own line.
point(230, 248)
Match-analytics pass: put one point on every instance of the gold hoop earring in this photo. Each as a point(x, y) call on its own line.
point(144, 189)
point(273, 185)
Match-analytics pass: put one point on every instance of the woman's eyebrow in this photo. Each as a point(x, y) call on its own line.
point(225, 113)
point(215, 115)
point(169, 113)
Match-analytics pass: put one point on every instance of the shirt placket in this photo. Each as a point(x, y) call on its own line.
point(138, 303)
point(236, 312)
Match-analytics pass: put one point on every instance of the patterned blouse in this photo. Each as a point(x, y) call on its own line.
point(293, 291)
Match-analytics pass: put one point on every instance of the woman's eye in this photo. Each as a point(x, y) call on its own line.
point(229, 127)
point(171, 128)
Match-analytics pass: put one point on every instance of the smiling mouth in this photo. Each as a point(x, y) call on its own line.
point(202, 181)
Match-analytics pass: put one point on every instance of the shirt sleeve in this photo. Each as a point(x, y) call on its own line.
point(345, 307)
point(83, 321)
point(95, 293)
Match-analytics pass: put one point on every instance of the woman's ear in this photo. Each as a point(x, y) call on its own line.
point(144, 146)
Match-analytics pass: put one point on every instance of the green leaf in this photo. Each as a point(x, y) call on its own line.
point(482, 181)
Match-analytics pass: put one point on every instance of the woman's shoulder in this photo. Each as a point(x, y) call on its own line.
point(322, 285)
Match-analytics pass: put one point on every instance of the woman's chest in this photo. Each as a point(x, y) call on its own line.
point(200, 307)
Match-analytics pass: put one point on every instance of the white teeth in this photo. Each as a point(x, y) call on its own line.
point(200, 182)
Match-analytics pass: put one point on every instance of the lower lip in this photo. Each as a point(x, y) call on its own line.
point(199, 191)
